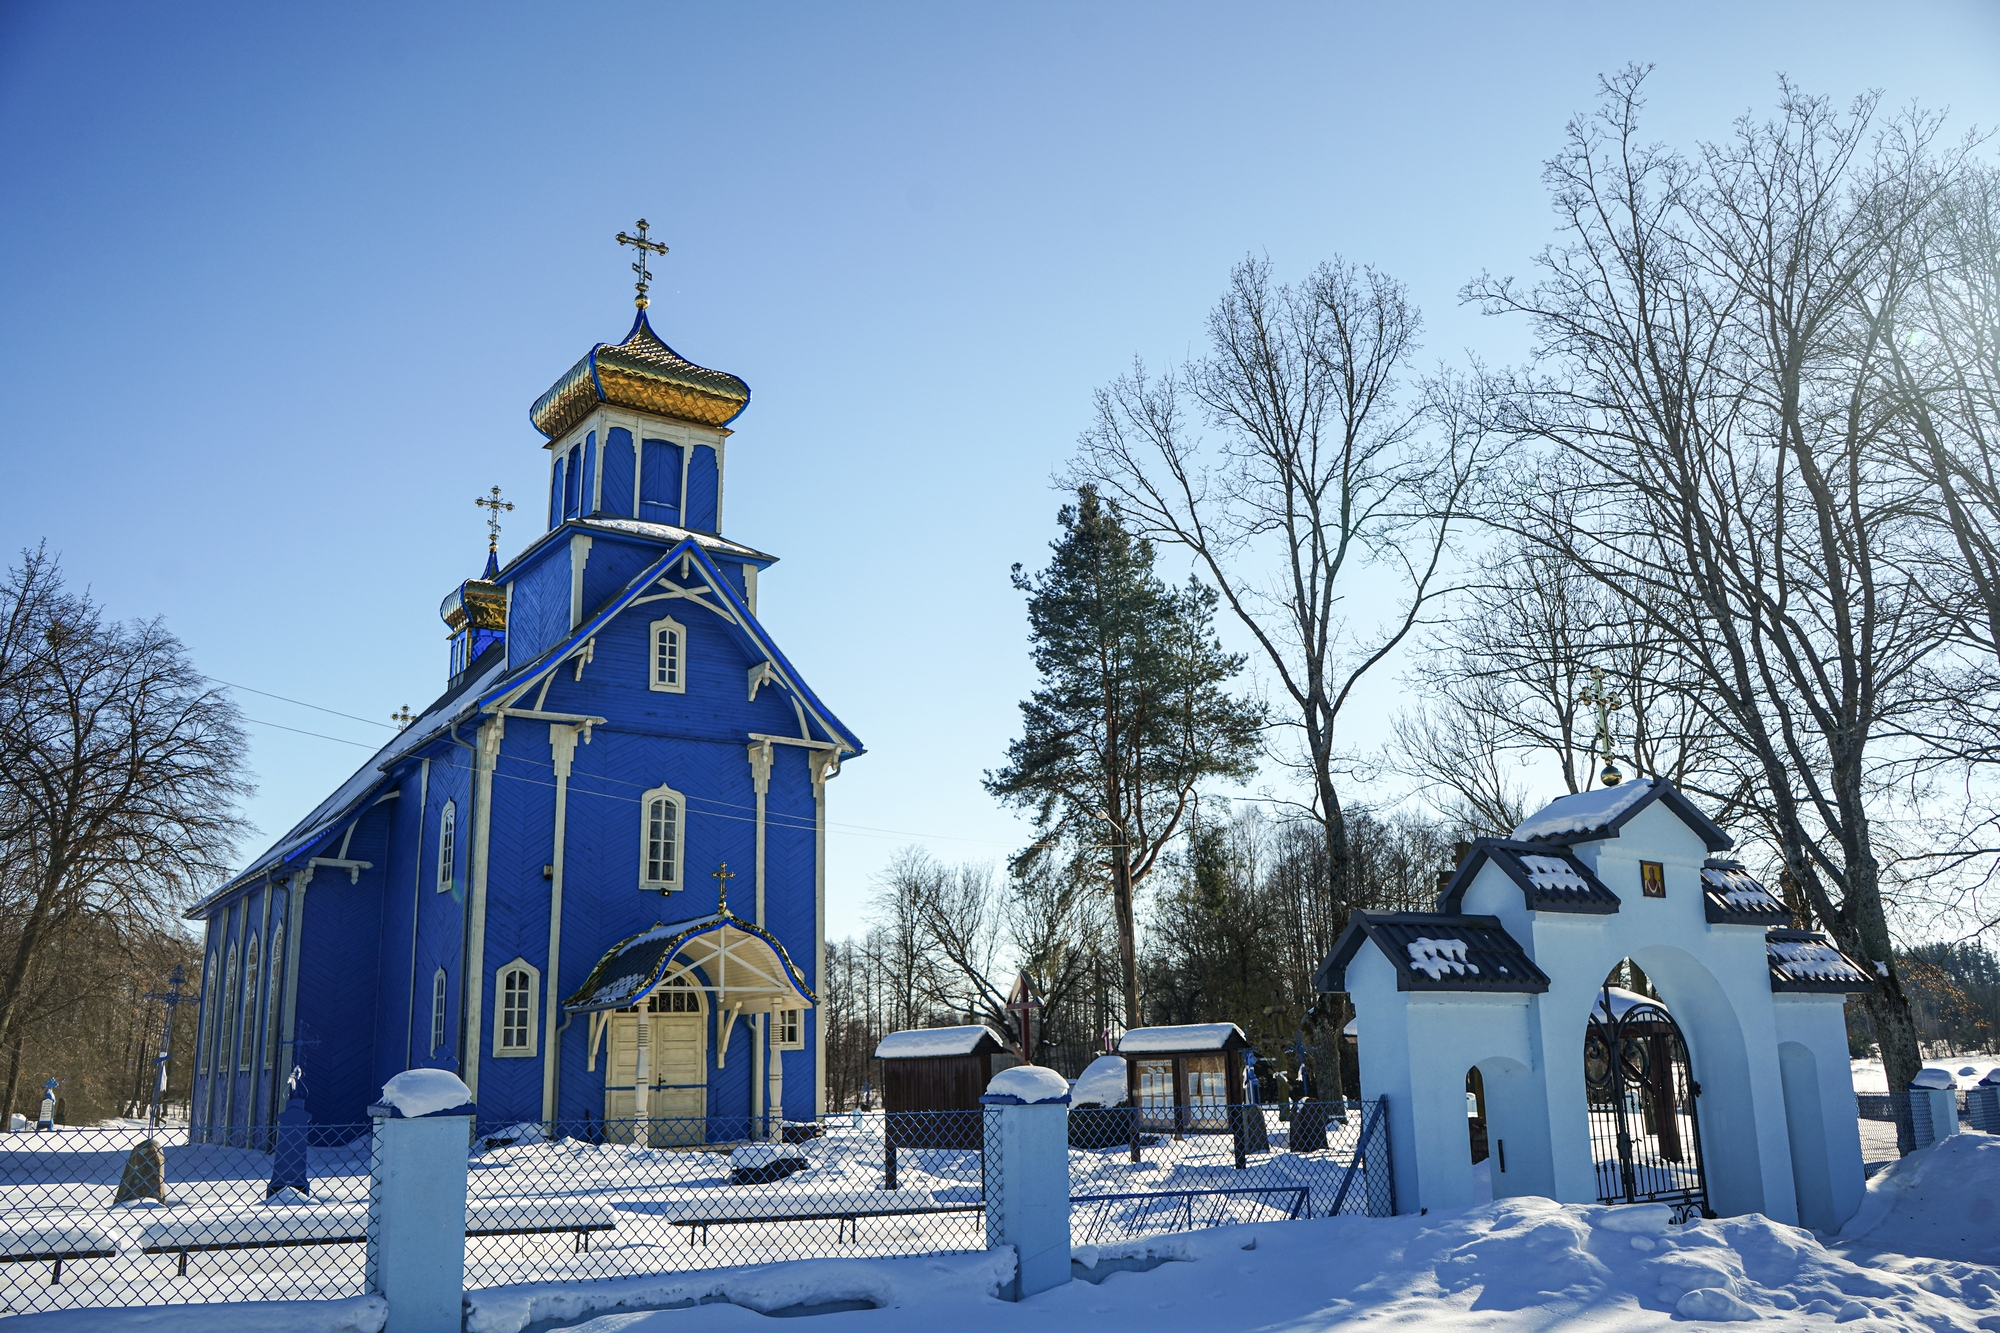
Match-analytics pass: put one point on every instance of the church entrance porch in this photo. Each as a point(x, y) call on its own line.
point(674, 1039)
point(1645, 1130)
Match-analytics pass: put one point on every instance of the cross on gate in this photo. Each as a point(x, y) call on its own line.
point(645, 247)
point(493, 504)
point(1596, 696)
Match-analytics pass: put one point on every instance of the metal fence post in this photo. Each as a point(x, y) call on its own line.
point(416, 1218)
point(1027, 1191)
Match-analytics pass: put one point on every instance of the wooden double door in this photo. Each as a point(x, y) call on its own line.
point(677, 1109)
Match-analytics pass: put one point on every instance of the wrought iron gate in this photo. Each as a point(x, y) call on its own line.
point(1645, 1130)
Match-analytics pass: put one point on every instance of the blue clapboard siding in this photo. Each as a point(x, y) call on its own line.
point(618, 466)
point(704, 488)
point(538, 615)
point(556, 490)
point(588, 500)
point(572, 486)
point(660, 481)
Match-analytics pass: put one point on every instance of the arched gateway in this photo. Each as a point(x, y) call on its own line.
point(1721, 1087)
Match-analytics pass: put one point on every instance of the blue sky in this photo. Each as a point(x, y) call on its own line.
point(280, 283)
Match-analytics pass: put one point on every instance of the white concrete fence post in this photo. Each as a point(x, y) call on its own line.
point(1982, 1104)
point(1027, 1175)
point(416, 1201)
point(1933, 1109)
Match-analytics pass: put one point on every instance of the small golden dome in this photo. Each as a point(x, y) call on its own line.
point(642, 373)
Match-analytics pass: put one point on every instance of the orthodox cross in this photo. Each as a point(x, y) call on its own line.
point(1025, 1008)
point(172, 997)
point(493, 505)
point(722, 876)
point(403, 717)
point(1595, 695)
point(644, 247)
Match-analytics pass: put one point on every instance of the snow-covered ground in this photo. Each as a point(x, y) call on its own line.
point(1966, 1071)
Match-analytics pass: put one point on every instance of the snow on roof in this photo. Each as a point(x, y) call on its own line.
point(1434, 958)
point(1583, 811)
point(1181, 1037)
point(1733, 893)
point(918, 1043)
point(1553, 875)
point(1803, 961)
point(1102, 1083)
point(668, 532)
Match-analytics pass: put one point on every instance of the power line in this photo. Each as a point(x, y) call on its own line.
point(303, 704)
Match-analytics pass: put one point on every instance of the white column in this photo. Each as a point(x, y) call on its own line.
point(472, 968)
point(824, 764)
point(416, 1216)
point(562, 747)
point(642, 1079)
point(1027, 1192)
point(760, 1024)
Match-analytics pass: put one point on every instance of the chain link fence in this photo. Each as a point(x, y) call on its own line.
point(103, 1217)
point(621, 1198)
point(1142, 1171)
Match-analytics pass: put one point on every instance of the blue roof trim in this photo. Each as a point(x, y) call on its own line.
point(741, 618)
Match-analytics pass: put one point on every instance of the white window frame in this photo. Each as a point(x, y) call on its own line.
point(440, 1010)
point(679, 684)
point(211, 1003)
point(778, 1042)
point(646, 881)
point(519, 967)
point(232, 1013)
point(274, 968)
point(447, 846)
point(253, 963)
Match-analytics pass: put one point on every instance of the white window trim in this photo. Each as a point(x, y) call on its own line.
point(672, 885)
point(273, 967)
point(534, 1010)
point(777, 1026)
point(447, 846)
point(653, 656)
point(440, 1012)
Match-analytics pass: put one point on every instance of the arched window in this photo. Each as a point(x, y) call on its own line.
point(669, 658)
point(514, 1030)
point(662, 828)
point(440, 985)
point(246, 1048)
point(231, 988)
point(274, 1003)
point(447, 845)
point(211, 981)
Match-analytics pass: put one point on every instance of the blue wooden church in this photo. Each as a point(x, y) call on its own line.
point(527, 885)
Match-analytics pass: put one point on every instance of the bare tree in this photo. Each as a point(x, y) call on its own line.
point(1708, 357)
point(1320, 479)
point(119, 775)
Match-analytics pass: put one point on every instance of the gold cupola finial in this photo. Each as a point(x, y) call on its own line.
point(644, 247)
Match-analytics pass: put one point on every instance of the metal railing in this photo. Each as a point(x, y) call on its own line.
point(108, 1217)
point(618, 1198)
point(1135, 1173)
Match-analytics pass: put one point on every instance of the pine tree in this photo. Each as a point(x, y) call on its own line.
point(1130, 714)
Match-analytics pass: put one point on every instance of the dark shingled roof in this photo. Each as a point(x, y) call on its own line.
point(1804, 961)
point(1491, 959)
point(1551, 879)
point(1601, 812)
point(1731, 897)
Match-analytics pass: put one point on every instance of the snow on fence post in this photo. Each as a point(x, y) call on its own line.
point(1026, 1157)
point(416, 1200)
point(1933, 1108)
point(1982, 1104)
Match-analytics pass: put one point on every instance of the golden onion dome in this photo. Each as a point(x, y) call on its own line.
point(643, 373)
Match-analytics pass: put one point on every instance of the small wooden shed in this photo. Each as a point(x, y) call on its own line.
point(927, 1071)
point(1185, 1079)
